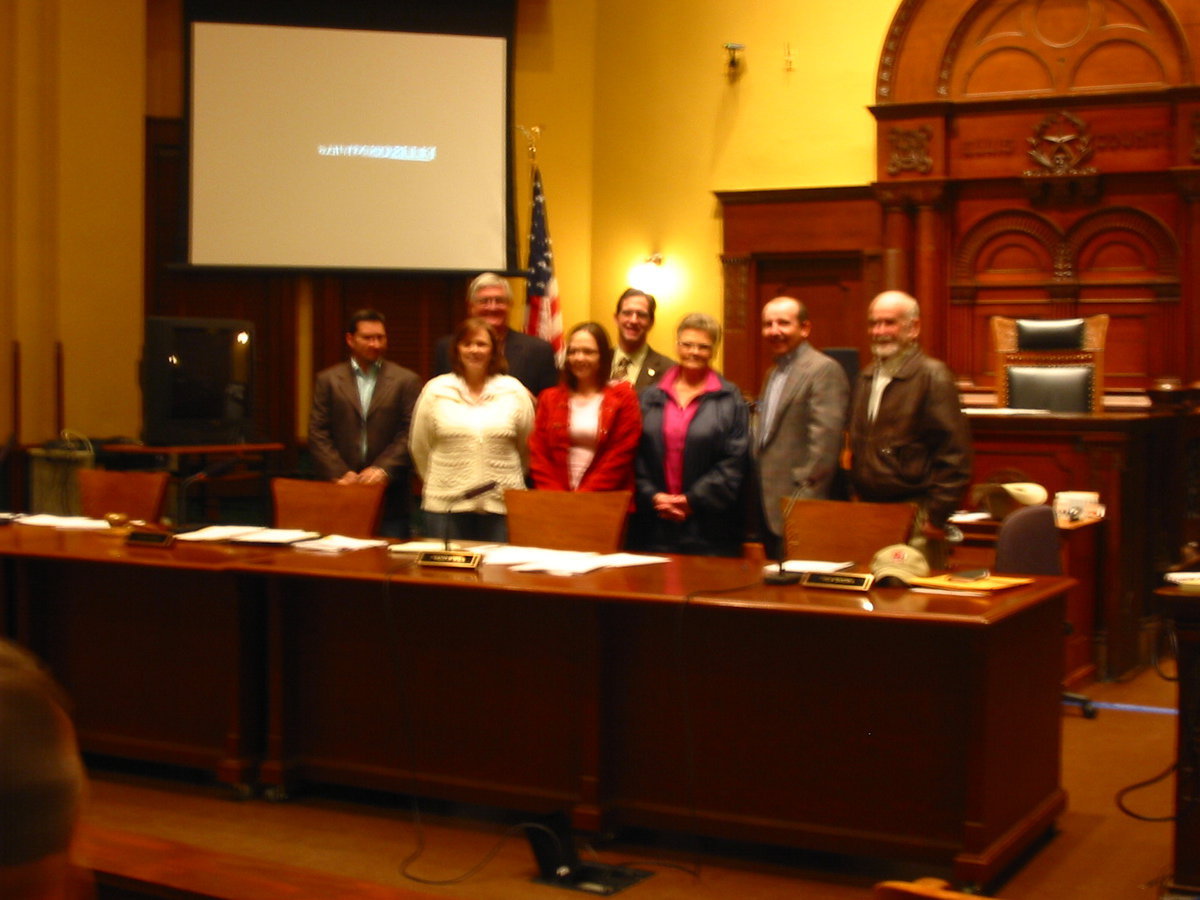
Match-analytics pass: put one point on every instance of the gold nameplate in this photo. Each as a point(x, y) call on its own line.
point(452, 559)
point(842, 581)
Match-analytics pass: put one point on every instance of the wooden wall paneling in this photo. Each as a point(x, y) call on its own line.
point(822, 245)
point(742, 342)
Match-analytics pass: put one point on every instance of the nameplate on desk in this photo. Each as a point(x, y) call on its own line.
point(149, 539)
point(842, 581)
point(454, 559)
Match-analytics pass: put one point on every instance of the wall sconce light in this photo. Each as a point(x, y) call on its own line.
point(734, 66)
point(648, 275)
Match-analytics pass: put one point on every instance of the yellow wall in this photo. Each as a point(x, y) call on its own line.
point(72, 217)
point(639, 126)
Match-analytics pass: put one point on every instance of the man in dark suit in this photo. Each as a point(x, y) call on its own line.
point(530, 359)
point(801, 413)
point(361, 410)
point(634, 360)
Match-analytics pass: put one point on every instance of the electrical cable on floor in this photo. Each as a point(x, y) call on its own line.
point(1121, 794)
point(393, 627)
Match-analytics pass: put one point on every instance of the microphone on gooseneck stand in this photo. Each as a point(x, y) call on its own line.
point(468, 494)
point(780, 575)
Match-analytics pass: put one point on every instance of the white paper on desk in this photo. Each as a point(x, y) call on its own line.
point(338, 543)
point(65, 523)
point(970, 517)
point(276, 536)
point(565, 562)
point(219, 532)
point(511, 555)
point(619, 560)
point(808, 565)
point(423, 547)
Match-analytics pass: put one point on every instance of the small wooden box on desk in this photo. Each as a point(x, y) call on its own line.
point(1082, 556)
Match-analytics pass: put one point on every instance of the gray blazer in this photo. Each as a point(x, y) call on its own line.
point(799, 448)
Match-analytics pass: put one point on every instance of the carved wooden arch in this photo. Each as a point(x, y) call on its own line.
point(1044, 234)
point(1143, 229)
point(954, 50)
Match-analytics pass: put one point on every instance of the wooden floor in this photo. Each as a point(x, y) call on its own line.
point(1098, 853)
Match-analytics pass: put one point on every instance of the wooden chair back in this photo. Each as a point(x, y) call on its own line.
point(137, 495)
point(845, 530)
point(568, 520)
point(352, 510)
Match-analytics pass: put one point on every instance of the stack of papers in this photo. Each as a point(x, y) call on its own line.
point(66, 523)
point(249, 534)
point(559, 562)
point(338, 543)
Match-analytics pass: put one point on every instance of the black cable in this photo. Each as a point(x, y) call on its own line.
point(393, 627)
point(1120, 797)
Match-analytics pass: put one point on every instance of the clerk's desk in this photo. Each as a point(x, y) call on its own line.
point(683, 696)
point(1139, 463)
point(1082, 559)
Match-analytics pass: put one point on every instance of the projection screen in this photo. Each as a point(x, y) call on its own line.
point(336, 148)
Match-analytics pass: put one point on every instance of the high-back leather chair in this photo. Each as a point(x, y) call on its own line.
point(845, 530)
point(352, 510)
point(568, 520)
point(135, 495)
point(1054, 364)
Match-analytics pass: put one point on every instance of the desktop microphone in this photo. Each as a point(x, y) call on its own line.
point(780, 575)
point(468, 494)
point(212, 470)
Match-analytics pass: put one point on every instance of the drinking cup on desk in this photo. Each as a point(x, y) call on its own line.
point(1076, 506)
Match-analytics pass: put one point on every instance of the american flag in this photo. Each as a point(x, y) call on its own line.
point(542, 315)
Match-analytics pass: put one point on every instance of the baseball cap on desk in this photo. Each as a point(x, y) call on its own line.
point(899, 561)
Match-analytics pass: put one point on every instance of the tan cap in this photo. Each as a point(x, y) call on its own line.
point(899, 561)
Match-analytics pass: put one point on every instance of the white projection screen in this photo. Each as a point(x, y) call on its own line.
point(335, 148)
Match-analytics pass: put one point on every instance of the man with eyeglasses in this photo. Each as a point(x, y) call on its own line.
point(530, 359)
point(635, 360)
point(801, 413)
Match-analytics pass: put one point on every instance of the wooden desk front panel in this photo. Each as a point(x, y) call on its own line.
point(916, 740)
point(436, 689)
point(159, 662)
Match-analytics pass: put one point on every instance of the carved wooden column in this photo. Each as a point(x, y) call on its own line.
point(897, 237)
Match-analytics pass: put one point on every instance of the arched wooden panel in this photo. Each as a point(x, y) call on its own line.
point(948, 49)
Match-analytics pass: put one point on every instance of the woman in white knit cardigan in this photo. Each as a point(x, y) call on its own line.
point(469, 439)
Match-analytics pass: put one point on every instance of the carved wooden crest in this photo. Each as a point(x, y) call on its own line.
point(1060, 145)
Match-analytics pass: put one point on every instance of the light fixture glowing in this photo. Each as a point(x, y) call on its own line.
point(648, 275)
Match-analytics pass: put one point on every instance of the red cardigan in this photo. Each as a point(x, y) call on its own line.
point(616, 441)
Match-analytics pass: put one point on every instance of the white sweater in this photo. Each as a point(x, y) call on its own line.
point(458, 442)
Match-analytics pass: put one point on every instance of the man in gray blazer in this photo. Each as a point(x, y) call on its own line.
point(801, 415)
point(361, 410)
point(635, 360)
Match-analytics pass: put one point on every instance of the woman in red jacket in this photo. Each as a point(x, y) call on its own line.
point(586, 432)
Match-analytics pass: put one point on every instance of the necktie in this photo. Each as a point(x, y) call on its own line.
point(621, 369)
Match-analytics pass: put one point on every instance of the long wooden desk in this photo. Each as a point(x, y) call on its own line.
point(684, 696)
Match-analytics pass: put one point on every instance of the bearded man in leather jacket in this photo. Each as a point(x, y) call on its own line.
point(909, 438)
